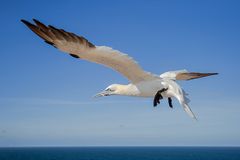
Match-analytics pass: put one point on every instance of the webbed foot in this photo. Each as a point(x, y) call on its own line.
point(158, 97)
point(170, 102)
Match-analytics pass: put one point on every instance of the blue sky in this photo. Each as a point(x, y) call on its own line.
point(46, 96)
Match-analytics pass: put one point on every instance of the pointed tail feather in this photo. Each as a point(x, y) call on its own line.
point(188, 110)
point(181, 96)
point(184, 100)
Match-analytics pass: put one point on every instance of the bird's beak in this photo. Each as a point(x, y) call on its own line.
point(101, 94)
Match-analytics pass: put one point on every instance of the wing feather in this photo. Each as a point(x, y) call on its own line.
point(184, 75)
point(79, 47)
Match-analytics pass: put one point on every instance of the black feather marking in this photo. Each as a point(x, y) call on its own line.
point(26, 22)
point(170, 102)
point(50, 43)
point(52, 27)
point(73, 55)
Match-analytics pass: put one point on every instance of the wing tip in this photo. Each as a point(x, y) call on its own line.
point(26, 22)
point(211, 74)
point(35, 20)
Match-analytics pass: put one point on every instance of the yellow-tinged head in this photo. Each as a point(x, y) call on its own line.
point(117, 89)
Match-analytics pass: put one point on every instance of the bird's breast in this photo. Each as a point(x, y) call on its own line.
point(149, 88)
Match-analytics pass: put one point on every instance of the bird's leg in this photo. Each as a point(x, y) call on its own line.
point(170, 102)
point(158, 97)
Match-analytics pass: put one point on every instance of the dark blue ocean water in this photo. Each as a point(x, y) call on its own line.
point(121, 153)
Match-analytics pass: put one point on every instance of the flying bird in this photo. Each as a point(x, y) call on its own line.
point(142, 83)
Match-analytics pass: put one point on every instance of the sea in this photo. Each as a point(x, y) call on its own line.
point(120, 153)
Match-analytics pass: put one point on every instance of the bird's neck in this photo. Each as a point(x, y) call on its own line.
point(128, 90)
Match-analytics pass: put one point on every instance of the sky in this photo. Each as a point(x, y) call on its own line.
point(46, 95)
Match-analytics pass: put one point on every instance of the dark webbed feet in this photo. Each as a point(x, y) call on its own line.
point(158, 97)
point(170, 102)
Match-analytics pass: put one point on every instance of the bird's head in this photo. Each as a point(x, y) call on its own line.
point(110, 90)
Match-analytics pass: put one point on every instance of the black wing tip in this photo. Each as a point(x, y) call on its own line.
point(211, 74)
point(25, 22)
point(36, 21)
point(28, 23)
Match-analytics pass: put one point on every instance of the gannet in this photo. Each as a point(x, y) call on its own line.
point(142, 83)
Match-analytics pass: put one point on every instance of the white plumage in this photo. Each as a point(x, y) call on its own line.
point(142, 84)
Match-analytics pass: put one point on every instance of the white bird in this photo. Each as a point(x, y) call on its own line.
point(142, 83)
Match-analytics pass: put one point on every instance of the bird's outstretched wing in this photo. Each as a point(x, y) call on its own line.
point(79, 47)
point(184, 75)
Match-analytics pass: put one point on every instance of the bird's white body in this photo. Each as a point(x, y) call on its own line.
point(143, 84)
point(150, 88)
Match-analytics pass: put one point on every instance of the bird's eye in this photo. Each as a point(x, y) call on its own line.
point(109, 89)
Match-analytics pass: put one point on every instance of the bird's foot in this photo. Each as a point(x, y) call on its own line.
point(170, 102)
point(158, 96)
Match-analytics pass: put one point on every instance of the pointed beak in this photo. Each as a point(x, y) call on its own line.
point(101, 94)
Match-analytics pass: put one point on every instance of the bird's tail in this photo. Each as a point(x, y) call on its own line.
point(184, 100)
point(181, 96)
point(188, 110)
